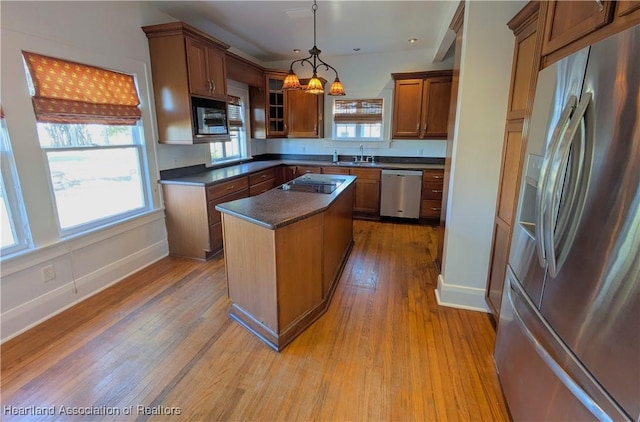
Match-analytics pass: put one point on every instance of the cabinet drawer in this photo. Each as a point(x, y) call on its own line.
point(225, 188)
point(300, 170)
point(430, 208)
point(373, 174)
point(214, 215)
point(432, 190)
point(262, 187)
point(335, 170)
point(261, 176)
point(433, 176)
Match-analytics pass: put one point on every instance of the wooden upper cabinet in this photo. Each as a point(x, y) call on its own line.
point(305, 115)
point(568, 21)
point(185, 62)
point(436, 99)
point(626, 7)
point(421, 104)
point(521, 92)
point(207, 70)
point(407, 108)
point(276, 102)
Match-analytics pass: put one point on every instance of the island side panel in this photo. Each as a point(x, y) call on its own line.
point(299, 269)
point(249, 252)
point(338, 237)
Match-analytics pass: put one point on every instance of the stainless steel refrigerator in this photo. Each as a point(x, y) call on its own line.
point(568, 340)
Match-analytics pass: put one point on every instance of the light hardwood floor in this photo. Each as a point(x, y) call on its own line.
point(384, 351)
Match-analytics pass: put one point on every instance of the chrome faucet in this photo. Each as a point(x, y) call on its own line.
point(361, 153)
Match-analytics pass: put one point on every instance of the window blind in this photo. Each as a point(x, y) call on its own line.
point(75, 93)
point(357, 111)
point(234, 108)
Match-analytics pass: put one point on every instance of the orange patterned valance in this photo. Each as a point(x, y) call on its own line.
point(69, 92)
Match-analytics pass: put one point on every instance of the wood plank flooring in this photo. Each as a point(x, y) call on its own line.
point(162, 339)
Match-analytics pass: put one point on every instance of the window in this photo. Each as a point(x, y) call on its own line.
point(13, 228)
point(88, 127)
point(357, 119)
point(236, 148)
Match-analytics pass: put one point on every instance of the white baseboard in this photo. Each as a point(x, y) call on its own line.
point(461, 297)
point(28, 315)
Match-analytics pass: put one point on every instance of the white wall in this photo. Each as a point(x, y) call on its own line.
point(485, 74)
point(105, 34)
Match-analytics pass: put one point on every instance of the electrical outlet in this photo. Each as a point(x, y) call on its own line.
point(304, 149)
point(48, 273)
point(420, 152)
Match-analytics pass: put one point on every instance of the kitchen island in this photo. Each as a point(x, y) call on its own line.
point(284, 252)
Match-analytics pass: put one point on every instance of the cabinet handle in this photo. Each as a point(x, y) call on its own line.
point(600, 5)
point(425, 127)
point(213, 86)
point(436, 191)
point(418, 128)
point(437, 177)
point(230, 187)
point(434, 209)
point(264, 176)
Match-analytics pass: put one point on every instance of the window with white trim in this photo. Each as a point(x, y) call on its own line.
point(357, 120)
point(236, 147)
point(89, 128)
point(14, 231)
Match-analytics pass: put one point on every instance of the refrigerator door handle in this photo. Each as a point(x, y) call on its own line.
point(555, 188)
point(541, 201)
point(559, 372)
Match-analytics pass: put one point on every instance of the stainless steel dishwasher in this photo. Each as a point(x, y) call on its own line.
point(400, 193)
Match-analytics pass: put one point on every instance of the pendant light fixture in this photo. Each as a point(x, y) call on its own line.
point(315, 85)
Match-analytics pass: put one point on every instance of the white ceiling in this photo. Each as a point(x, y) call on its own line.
point(270, 30)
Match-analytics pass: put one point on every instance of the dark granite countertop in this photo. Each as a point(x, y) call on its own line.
point(209, 177)
point(277, 208)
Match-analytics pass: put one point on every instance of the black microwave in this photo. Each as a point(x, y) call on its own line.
point(210, 121)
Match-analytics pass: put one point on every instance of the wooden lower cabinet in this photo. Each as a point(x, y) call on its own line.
point(194, 228)
point(262, 181)
point(300, 170)
point(432, 187)
point(335, 170)
point(366, 202)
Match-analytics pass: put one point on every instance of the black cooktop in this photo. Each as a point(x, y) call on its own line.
point(313, 186)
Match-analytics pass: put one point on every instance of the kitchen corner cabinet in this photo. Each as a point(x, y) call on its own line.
point(305, 114)
point(194, 227)
point(184, 62)
point(421, 104)
point(289, 114)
